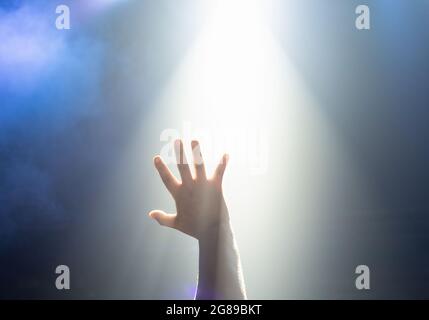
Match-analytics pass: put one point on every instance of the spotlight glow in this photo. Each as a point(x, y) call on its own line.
point(226, 85)
point(237, 91)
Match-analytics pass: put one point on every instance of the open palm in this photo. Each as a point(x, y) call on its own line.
point(199, 200)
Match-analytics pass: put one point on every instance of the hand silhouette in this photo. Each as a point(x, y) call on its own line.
point(202, 213)
point(199, 200)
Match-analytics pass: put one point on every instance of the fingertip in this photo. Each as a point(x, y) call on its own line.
point(177, 143)
point(157, 160)
point(194, 144)
point(226, 158)
point(224, 161)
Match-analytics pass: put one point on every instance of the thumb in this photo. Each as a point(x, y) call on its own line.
point(164, 219)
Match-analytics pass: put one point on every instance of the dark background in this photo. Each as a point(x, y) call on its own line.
point(71, 104)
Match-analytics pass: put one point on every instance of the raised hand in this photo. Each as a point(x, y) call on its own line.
point(199, 201)
point(202, 214)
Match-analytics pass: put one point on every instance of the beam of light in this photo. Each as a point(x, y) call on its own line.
point(237, 91)
point(224, 88)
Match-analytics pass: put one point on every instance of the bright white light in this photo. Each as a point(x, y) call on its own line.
point(237, 91)
point(232, 66)
point(225, 89)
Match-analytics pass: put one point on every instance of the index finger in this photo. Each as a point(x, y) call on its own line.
point(167, 177)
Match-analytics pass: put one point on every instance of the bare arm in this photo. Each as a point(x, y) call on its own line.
point(202, 213)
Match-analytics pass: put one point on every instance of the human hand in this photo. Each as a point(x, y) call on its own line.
point(200, 205)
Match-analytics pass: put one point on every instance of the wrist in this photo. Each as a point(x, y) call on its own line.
point(219, 234)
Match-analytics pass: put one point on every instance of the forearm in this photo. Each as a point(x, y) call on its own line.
point(220, 275)
point(202, 213)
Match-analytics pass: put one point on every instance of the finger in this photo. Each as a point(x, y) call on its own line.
point(182, 163)
point(220, 170)
point(200, 170)
point(167, 177)
point(164, 219)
